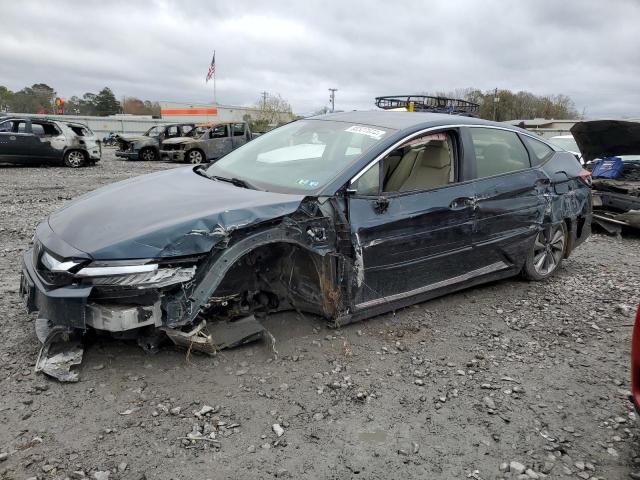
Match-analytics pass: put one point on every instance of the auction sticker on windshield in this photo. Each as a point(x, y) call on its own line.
point(369, 132)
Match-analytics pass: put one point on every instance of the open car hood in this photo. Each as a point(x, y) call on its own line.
point(607, 138)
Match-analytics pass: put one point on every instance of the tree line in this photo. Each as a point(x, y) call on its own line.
point(41, 98)
point(520, 105)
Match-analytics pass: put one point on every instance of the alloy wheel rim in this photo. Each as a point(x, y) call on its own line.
point(195, 157)
point(147, 155)
point(547, 250)
point(75, 159)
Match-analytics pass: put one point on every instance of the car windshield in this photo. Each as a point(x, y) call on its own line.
point(566, 143)
point(300, 157)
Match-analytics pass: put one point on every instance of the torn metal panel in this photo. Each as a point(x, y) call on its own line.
point(59, 355)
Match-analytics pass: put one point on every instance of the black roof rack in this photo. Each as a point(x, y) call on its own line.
point(427, 103)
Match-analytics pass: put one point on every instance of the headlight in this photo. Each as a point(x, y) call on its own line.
point(140, 276)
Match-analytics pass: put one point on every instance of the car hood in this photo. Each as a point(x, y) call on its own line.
point(607, 138)
point(166, 214)
point(177, 140)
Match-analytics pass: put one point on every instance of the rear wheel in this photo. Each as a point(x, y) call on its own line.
point(75, 159)
point(194, 157)
point(148, 155)
point(547, 252)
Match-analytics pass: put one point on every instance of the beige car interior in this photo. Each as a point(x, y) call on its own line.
point(419, 167)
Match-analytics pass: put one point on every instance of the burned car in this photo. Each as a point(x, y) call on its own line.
point(612, 150)
point(346, 216)
point(37, 141)
point(147, 146)
point(206, 142)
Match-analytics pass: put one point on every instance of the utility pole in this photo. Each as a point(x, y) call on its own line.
point(496, 99)
point(264, 99)
point(332, 98)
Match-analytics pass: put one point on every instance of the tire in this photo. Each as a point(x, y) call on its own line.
point(194, 157)
point(148, 155)
point(546, 253)
point(75, 158)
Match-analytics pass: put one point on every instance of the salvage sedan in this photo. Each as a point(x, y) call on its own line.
point(347, 216)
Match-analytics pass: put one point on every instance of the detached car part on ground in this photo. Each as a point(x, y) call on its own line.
point(146, 147)
point(616, 201)
point(206, 142)
point(38, 141)
point(345, 216)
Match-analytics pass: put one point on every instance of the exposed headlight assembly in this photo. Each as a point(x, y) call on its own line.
point(140, 276)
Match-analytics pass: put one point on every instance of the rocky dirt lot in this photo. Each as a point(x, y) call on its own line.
point(509, 380)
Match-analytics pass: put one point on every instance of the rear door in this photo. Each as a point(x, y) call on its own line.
point(509, 196)
point(413, 234)
point(49, 141)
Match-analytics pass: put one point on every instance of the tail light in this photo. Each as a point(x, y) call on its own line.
point(635, 362)
point(585, 175)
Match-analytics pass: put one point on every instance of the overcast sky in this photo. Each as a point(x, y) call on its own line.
point(159, 50)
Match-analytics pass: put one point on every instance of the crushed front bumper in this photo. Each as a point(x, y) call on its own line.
point(129, 155)
point(172, 155)
point(71, 306)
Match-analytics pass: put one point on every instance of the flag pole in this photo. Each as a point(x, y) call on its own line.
point(215, 100)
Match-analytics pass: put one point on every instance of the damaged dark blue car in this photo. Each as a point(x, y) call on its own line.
point(346, 216)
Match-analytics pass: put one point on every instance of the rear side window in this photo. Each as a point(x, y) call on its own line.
point(44, 129)
point(498, 151)
point(541, 152)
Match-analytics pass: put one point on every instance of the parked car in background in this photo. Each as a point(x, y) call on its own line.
point(568, 143)
point(147, 146)
point(611, 149)
point(25, 140)
point(206, 142)
point(347, 216)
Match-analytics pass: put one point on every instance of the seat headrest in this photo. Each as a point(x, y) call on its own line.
point(435, 156)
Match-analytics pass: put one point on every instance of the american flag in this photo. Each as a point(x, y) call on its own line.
point(212, 67)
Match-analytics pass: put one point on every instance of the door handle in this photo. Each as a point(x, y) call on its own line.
point(12, 137)
point(381, 204)
point(462, 203)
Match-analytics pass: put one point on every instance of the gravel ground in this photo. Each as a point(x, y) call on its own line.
point(487, 383)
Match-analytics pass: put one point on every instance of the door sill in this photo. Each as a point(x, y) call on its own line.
point(494, 267)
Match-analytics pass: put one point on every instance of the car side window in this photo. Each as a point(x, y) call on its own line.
point(219, 131)
point(498, 151)
point(238, 129)
point(422, 163)
point(44, 129)
point(186, 129)
point(20, 126)
point(171, 131)
point(6, 126)
point(541, 151)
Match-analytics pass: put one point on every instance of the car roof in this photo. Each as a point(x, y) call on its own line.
point(405, 120)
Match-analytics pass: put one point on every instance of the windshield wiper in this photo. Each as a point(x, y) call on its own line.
point(238, 182)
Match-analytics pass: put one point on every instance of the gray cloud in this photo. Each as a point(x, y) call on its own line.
point(160, 50)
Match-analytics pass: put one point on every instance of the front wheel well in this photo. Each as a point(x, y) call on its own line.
point(278, 276)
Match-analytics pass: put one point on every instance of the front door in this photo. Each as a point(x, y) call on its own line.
point(218, 143)
point(239, 135)
point(413, 234)
point(16, 141)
